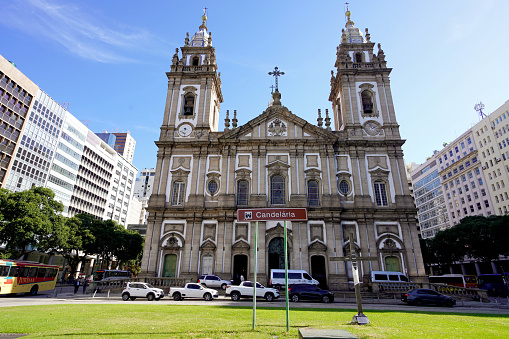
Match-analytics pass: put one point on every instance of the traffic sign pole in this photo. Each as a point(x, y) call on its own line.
point(286, 282)
point(255, 272)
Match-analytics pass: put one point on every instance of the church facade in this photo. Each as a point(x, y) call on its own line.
point(350, 177)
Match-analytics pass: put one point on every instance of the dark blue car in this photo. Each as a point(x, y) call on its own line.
point(423, 296)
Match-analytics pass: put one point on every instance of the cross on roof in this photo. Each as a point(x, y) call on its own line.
point(276, 73)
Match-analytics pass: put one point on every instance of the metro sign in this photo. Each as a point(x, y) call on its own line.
point(278, 214)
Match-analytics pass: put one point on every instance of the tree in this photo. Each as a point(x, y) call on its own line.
point(129, 253)
point(448, 246)
point(476, 234)
point(79, 236)
point(500, 231)
point(31, 220)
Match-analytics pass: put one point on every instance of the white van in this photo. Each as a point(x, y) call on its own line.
point(387, 277)
point(277, 278)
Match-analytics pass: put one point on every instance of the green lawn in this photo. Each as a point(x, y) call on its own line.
point(179, 321)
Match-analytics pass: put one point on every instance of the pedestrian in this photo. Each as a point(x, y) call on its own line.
point(241, 277)
point(76, 285)
point(85, 285)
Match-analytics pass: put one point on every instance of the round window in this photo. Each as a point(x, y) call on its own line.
point(213, 186)
point(344, 187)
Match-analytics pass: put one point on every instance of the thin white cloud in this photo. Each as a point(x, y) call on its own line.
point(69, 26)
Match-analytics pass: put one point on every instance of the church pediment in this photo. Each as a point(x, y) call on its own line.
point(241, 245)
point(276, 122)
point(317, 246)
point(208, 245)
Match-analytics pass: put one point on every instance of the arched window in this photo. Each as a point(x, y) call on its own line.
point(188, 104)
point(367, 102)
point(179, 188)
point(358, 57)
point(380, 193)
point(313, 193)
point(277, 190)
point(196, 61)
point(242, 192)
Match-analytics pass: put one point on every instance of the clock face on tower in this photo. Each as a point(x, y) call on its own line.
point(185, 130)
point(372, 128)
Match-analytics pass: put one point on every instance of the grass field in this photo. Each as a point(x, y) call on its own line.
point(171, 321)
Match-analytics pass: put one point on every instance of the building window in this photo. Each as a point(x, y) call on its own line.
point(358, 57)
point(178, 193)
point(277, 190)
point(367, 102)
point(313, 193)
point(344, 187)
point(188, 104)
point(196, 61)
point(242, 192)
point(380, 193)
point(212, 187)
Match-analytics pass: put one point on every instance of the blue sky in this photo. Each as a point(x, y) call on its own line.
point(108, 59)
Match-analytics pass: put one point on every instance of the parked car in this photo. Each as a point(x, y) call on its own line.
point(277, 278)
point(210, 280)
point(245, 290)
point(193, 290)
point(423, 296)
point(135, 290)
point(299, 292)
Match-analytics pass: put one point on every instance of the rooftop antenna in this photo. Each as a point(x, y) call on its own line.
point(85, 122)
point(65, 105)
point(479, 107)
point(272, 88)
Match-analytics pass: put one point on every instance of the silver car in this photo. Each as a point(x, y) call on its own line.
point(210, 280)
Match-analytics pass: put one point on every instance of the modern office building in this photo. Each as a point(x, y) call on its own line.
point(469, 175)
point(42, 144)
point(351, 177)
point(105, 182)
point(429, 198)
point(491, 136)
point(16, 100)
point(123, 143)
point(145, 183)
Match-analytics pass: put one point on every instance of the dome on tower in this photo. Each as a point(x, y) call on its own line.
point(352, 34)
point(201, 38)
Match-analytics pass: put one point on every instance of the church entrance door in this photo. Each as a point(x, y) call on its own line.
point(206, 267)
point(392, 264)
point(239, 268)
point(318, 270)
point(277, 254)
point(170, 266)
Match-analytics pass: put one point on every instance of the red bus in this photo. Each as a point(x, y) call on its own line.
point(448, 279)
point(28, 277)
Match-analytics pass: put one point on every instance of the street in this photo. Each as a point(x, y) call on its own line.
point(65, 295)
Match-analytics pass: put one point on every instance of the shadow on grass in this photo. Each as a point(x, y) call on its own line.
point(346, 310)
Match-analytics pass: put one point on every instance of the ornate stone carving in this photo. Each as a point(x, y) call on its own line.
point(312, 160)
point(174, 227)
point(184, 162)
point(241, 232)
point(276, 128)
point(342, 163)
point(244, 161)
point(214, 164)
point(316, 232)
point(377, 161)
point(209, 232)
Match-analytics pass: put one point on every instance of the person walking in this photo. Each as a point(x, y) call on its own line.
point(85, 285)
point(76, 285)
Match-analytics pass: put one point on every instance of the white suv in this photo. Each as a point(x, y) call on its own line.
point(135, 290)
point(210, 280)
